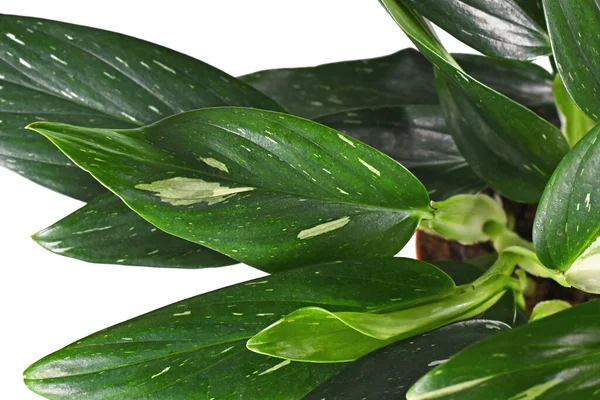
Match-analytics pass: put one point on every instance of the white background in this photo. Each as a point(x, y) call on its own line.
point(48, 301)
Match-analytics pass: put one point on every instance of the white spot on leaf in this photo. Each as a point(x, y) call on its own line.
point(370, 167)
point(163, 66)
point(161, 372)
point(275, 367)
point(345, 139)
point(215, 163)
point(324, 228)
point(14, 38)
point(52, 56)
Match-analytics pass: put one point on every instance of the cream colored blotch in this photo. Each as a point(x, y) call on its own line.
point(180, 191)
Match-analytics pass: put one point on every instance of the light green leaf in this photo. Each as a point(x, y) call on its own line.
point(84, 76)
point(574, 35)
point(547, 308)
point(556, 357)
point(499, 149)
point(575, 123)
point(567, 222)
point(195, 349)
point(316, 334)
point(497, 28)
point(239, 181)
point(107, 231)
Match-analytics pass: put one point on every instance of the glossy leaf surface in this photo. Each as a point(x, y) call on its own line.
point(73, 74)
point(196, 348)
point(575, 42)
point(498, 28)
point(107, 231)
point(239, 181)
point(556, 357)
point(535, 9)
point(404, 77)
point(499, 149)
point(387, 374)
point(567, 222)
point(401, 78)
point(416, 137)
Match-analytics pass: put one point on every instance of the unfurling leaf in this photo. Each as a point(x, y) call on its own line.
point(319, 335)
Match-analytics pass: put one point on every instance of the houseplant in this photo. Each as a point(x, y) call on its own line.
point(320, 210)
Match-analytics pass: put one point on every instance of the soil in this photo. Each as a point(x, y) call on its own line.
point(430, 248)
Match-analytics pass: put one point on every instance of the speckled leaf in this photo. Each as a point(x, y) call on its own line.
point(498, 28)
point(73, 74)
point(107, 231)
point(516, 155)
point(416, 137)
point(574, 35)
point(196, 348)
point(405, 77)
point(387, 374)
point(567, 222)
point(268, 189)
point(557, 357)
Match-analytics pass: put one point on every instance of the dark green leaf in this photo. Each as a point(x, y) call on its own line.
point(554, 358)
point(196, 349)
point(388, 373)
point(534, 9)
point(498, 28)
point(567, 222)
point(269, 189)
point(416, 137)
point(404, 77)
point(525, 83)
point(573, 26)
point(515, 155)
point(575, 123)
point(73, 74)
point(107, 231)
